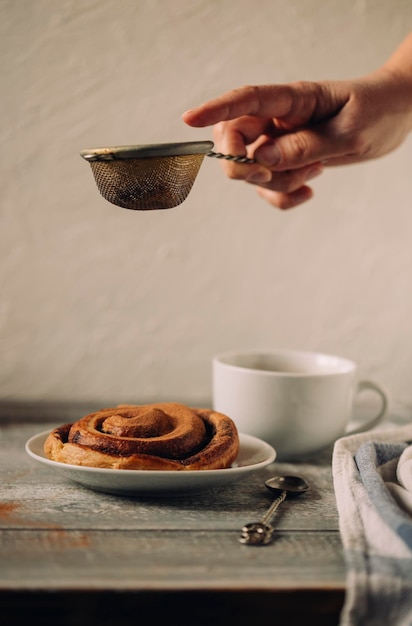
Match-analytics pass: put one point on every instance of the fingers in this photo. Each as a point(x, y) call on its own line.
point(282, 189)
point(288, 181)
point(278, 149)
point(273, 101)
point(287, 190)
point(297, 120)
point(241, 138)
point(288, 129)
point(300, 148)
point(285, 201)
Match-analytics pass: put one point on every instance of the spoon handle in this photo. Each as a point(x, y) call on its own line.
point(261, 533)
point(273, 508)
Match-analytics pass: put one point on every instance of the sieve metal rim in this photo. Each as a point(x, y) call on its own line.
point(147, 151)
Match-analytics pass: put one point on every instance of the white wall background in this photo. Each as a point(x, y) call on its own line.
point(100, 303)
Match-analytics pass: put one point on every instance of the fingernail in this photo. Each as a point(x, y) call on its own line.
point(314, 171)
point(260, 176)
point(270, 155)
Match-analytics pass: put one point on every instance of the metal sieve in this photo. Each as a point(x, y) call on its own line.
point(158, 176)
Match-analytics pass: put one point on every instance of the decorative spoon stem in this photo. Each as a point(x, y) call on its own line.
point(261, 533)
point(273, 508)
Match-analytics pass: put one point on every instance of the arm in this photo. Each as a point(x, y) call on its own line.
point(295, 130)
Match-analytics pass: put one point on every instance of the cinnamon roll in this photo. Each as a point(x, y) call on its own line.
point(162, 436)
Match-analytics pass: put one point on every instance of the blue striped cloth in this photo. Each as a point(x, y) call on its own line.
point(375, 520)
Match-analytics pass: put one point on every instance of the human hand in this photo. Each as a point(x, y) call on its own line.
point(293, 131)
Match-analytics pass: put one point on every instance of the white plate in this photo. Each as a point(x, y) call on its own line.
point(253, 455)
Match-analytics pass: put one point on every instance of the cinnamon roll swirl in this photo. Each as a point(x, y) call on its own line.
point(163, 436)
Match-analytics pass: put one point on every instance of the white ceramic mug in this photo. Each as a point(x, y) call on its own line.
point(299, 402)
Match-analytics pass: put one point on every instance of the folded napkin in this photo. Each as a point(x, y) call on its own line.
point(372, 474)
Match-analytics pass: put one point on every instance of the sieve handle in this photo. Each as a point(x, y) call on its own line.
point(230, 157)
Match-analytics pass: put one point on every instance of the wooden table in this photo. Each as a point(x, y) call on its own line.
point(69, 555)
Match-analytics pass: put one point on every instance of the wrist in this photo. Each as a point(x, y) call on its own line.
point(395, 90)
point(398, 71)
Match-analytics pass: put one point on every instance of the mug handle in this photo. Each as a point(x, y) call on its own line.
point(374, 421)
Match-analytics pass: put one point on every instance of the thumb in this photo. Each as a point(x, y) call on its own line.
point(301, 147)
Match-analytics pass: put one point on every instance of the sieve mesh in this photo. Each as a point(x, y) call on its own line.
point(147, 183)
point(158, 176)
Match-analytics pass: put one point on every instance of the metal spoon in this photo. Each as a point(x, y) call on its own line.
point(261, 533)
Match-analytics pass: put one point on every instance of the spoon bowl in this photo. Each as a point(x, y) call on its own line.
point(290, 484)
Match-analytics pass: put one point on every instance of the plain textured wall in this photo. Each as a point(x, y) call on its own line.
point(107, 304)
